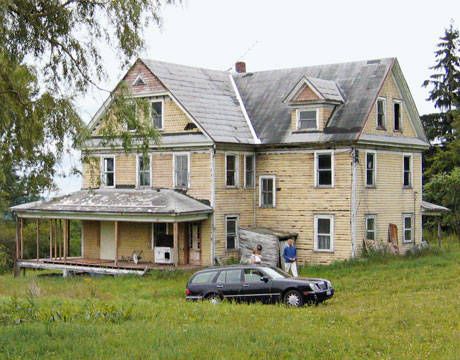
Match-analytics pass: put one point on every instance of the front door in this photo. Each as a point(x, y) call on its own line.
point(107, 248)
point(194, 244)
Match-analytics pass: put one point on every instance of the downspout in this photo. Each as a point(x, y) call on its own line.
point(354, 183)
point(213, 204)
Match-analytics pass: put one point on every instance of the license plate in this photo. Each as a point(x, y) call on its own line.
point(328, 292)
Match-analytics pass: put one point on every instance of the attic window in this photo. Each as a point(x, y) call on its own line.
point(381, 105)
point(307, 119)
point(190, 126)
point(138, 81)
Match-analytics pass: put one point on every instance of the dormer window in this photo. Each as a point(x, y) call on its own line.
point(307, 119)
point(381, 105)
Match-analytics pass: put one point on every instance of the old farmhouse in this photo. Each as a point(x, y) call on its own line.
point(331, 154)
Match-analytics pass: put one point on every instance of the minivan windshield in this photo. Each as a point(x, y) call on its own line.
point(276, 273)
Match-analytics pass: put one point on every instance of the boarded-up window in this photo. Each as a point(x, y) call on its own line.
point(307, 119)
point(231, 230)
point(181, 171)
point(143, 170)
point(381, 113)
point(324, 233)
point(156, 113)
point(370, 169)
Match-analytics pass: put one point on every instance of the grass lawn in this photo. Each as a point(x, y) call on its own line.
point(388, 308)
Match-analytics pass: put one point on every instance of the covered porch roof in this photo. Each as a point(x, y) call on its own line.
point(430, 209)
point(153, 205)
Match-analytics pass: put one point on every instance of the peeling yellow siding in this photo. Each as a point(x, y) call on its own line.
point(91, 236)
point(91, 173)
point(135, 237)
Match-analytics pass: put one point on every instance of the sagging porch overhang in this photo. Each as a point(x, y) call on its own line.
point(136, 205)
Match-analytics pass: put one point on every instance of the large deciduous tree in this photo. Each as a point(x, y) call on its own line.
point(49, 53)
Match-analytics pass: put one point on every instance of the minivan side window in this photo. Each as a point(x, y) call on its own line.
point(204, 278)
point(229, 277)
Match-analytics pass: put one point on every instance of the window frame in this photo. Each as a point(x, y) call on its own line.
point(384, 125)
point(366, 228)
point(374, 182)
point(298, 111)
point(316, 170)
point(151, 101)
point(103, 172)
point(237, 235)
point(411, 170)
point(138, 171)
point(236, 175)
point(411, 229)
point(253, 170)
point(261, 178)
point(174, 169)
point(400, 103)
point(330, 217)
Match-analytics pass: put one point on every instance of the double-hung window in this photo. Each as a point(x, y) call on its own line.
point(381, 113)
point(407, 170)
point(231, 231)
point(181, 170)
point(231, 170)
point(143, 170)
point(249, 170)
point(397, 107)
point(267, 191)
point(324, 233)
point(370, 168)
point(156, 114)
point(108, 171)
point(307, 119)
point(408, 228)
point(324, 168)
point(370, 227)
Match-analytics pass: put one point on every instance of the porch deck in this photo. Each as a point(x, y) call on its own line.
point(98, 266)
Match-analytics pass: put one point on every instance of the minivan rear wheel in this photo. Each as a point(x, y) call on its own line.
point(214, 298)
point(293, 298)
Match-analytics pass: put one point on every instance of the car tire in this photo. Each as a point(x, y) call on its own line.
point(214, 298)
point(293, 298)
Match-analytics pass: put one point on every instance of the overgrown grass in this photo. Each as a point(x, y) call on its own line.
point(404, 307)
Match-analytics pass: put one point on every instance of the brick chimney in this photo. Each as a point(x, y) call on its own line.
point(240, 67)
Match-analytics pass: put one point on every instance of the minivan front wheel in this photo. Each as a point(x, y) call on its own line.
point(214, 298)
point(293, 298)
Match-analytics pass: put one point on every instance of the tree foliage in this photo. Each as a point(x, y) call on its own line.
point(49, 53)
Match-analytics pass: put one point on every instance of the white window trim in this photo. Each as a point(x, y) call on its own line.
point(162, 112)
point(411, 180)
point(375, 168)
point(138, 77)
point(152, 240)
point(400, 102)
point(366, 217)
point(174, 168)
point(316, 174)
point(411, 216)
point(254, 170)
point(237, 170)
point(237, 226)
point(102, 170)
point(297, 115)
point(315, 239)
point(138, 185)
point(261, 178)
point(384, 99)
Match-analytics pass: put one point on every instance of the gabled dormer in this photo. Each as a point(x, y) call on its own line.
point(312, 102)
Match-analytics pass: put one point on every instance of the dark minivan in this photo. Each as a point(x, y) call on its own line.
point(256, 283)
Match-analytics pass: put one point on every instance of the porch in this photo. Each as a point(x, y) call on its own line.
point(122, 231)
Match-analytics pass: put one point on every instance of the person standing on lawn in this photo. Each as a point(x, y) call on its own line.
point(290, 258)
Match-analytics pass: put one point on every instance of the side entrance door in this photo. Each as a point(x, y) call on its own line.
point(107, 248)
point(194, 244)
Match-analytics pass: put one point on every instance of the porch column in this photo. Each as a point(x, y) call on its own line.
point(116, 243)
point(38, 238)
point(21, 237)
point(51, 238)
point(439, 231)
point(176, 242)
point(65, 235)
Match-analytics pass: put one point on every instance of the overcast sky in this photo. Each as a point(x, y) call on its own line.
point(280, 34)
